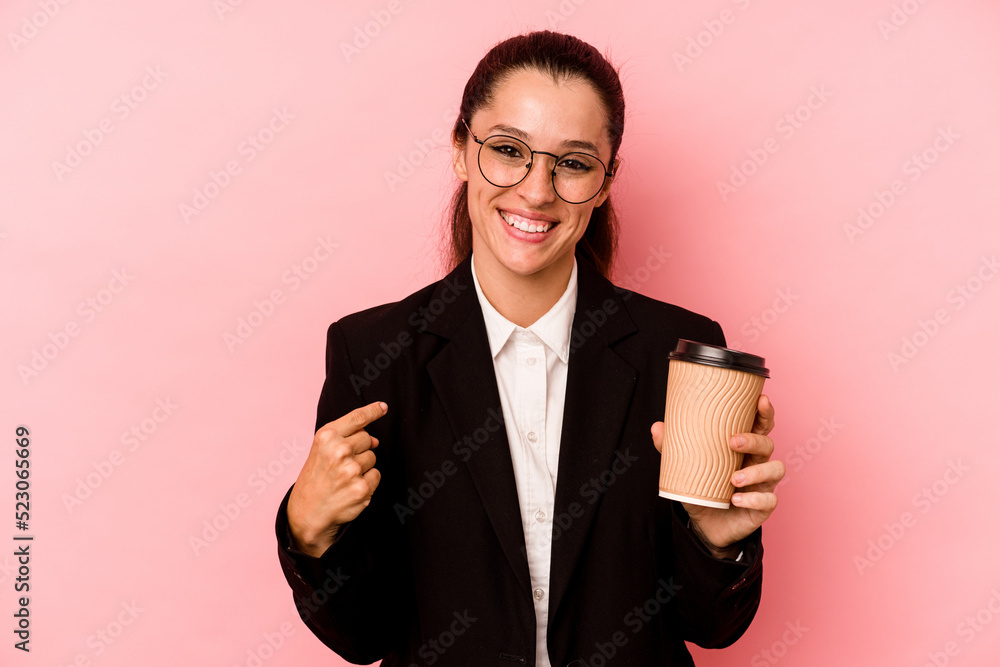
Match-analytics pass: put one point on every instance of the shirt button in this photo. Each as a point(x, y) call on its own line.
point(539, 594)
point(532, 436)
point(540, 515)
point(531, 361)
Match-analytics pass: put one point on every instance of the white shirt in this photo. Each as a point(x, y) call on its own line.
point(531, 366)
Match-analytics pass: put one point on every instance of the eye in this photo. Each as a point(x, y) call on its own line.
point(510, 151)
point(575, 164)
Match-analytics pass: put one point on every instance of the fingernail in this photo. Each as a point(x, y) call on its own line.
point(384, 406)
point(737, 498)
point(740, 441)
point(740, 478)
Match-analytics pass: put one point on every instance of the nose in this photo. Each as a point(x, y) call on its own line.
point(536, 188)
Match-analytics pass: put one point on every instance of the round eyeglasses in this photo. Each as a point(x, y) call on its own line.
point(505, 161)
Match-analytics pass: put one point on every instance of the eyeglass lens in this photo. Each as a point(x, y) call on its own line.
point(577, 177)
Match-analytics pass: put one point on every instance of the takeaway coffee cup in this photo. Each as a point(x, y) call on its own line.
point(712, 394)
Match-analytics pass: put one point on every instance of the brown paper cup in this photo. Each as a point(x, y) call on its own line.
point(712, 394)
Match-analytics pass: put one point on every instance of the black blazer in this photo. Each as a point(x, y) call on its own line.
point(434, 571)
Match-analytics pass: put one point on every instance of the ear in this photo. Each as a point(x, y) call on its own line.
point(606, 189)
point(458, 160)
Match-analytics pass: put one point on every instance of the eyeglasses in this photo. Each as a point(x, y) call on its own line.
point(505, 161)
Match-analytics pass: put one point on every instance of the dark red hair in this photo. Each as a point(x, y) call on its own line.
point(562, 57)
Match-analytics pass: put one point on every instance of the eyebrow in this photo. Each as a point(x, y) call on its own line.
point(523, 136)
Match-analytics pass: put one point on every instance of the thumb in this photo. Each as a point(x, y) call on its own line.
point(656, 430)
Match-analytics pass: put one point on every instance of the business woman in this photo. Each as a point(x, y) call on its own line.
point(481, 489)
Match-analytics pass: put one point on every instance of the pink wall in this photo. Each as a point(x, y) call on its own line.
point(879, 552)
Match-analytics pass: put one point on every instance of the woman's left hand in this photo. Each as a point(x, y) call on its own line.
point(754, 499)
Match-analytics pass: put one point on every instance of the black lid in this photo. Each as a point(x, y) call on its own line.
point(713, 355)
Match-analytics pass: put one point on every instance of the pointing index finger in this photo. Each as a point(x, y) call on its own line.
point(359, 418)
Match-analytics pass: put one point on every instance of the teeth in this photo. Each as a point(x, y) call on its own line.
point(524, 224)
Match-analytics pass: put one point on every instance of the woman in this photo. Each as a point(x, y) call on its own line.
point(481, 488)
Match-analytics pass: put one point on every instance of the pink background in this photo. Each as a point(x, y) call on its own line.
point(865, 568)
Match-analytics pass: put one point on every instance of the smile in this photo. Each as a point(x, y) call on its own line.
point(525, 224)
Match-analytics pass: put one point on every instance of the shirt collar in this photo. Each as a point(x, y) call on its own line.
point(553, 328)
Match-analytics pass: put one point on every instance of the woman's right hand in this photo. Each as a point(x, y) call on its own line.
point(337, 481)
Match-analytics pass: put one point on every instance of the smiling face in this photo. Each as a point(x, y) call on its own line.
point(548, 116)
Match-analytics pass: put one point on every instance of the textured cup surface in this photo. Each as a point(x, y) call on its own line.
point(706, 405)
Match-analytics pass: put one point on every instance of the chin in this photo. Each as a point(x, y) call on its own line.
point(526, 264)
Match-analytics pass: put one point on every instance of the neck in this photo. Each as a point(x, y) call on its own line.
point(522, 299)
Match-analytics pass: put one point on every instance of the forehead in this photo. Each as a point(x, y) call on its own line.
point(550, 112)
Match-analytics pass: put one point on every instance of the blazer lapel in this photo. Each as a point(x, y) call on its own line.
point(599, 389)
point(464, 378)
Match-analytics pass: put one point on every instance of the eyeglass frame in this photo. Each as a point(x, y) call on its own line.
point(531, 163)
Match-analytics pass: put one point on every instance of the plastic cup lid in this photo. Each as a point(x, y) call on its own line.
point(723, 357)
